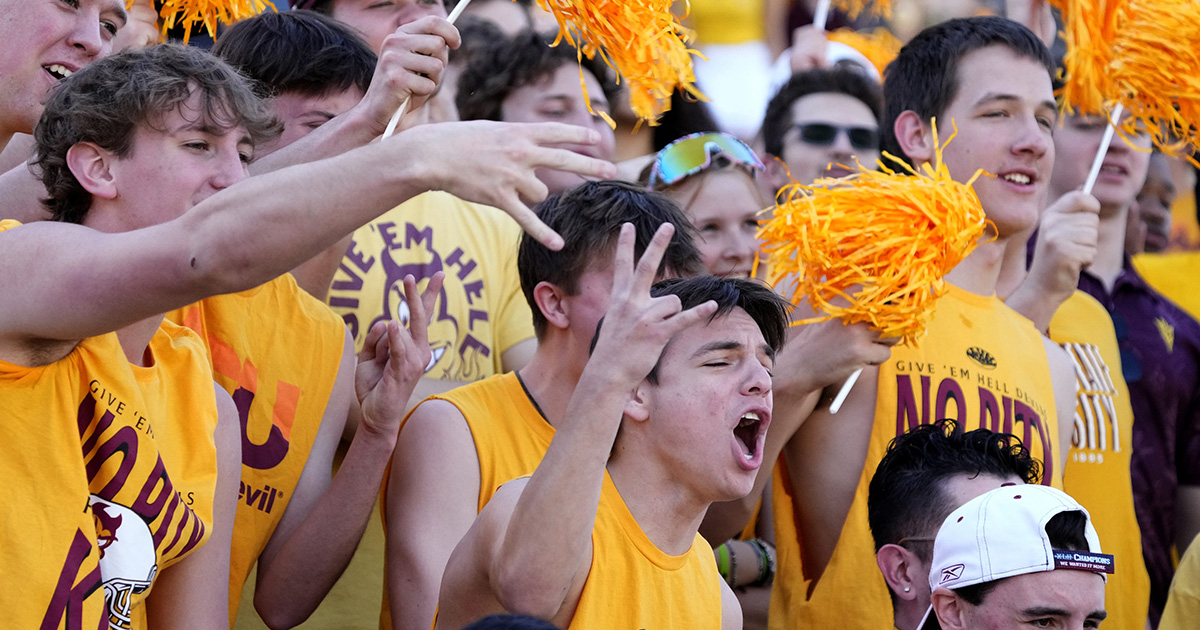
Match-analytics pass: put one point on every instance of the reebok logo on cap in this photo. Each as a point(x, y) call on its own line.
point(951, 573)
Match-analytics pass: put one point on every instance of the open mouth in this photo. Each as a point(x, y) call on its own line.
point(1112, 169)
point(58, 71)
point(746, 433)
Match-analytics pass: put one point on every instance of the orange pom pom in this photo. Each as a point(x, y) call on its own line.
point(874, 247)
point(854, 8)
point(188, 13)
point(880, 47)
point(1143, 54)
point(640, 39)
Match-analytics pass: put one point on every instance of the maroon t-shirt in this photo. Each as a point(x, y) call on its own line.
point(1160, 358)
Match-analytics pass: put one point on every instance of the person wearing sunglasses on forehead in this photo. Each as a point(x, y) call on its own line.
point(821, 123)
point(713, 177)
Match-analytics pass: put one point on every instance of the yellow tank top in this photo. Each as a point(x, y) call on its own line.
point(1175, 275)
point(632, 584)
point(1097, 466)
point(983, 365)
point(510, 434)
point(481, 312)
point(114, 471)
point(256, 340)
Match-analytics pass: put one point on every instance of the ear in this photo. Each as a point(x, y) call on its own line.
point(915, 137)
point(637, 407)
point(775, 176)
point(92, 166)
point(901, 569)
point(950, 610)
point(549, 300)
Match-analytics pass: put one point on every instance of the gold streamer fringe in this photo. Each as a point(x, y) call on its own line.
point(641, 40)
point(1143, 54)
point(854, 8)
point(880, 46)
point(188, 13)
point(874, 247)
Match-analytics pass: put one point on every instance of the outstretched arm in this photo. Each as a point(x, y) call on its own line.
point(324, 521)
point(533, 569)
point(97, 282)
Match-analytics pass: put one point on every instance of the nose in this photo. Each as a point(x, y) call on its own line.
point(758, 381)
point(230, 171)
point(742, 247)
point(1034, 139)
point(86, 35)
point(841, 143)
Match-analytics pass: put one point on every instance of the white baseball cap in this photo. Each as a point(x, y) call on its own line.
point(1002, 533)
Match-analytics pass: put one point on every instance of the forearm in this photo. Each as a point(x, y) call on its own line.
point(297, 578)
point(536, 564)
point(303, 223)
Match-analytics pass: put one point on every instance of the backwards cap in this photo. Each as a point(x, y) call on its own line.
point(1002, 533)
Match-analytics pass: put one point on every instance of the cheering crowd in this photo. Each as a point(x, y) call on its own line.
point(245, 340)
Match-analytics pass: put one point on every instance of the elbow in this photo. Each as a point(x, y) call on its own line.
point(522, 593)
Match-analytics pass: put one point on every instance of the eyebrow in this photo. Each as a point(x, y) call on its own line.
point(118, 8)
point(722, 346)
point(1000, 96)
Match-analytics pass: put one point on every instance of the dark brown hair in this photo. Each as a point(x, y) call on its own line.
point(105, 103)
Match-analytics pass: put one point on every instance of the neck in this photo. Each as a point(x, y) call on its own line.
point(979, 272)
point(664, 509)
point(135, 339)
point(908, 614)
point(551, 376)
point(1110, 246)
point(1012, 267)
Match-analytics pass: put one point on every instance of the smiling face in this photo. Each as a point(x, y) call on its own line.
point(710, 407)
point(723, 204)
point(171, 166)
point(1121, 173)
point(559, 98)
point(1062, 599)
point(1005, 114)
point(41, 41)
point(376, 19)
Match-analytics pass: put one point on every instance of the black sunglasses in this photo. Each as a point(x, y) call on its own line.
point(824, 134)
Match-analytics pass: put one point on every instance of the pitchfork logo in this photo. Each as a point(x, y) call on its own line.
point(127, 559)
point(952, 572)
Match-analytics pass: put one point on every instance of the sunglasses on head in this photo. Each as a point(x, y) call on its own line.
point(694, 153)
point(825, 134)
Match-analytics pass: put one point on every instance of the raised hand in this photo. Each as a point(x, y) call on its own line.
point(1066, 243)
point(410, 68)
point(637, 326)
point(494, 163)
point(393, 359)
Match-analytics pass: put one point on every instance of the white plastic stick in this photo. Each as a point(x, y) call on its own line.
point(820, 16)
point(1108, 134)
point(391, 128)
point(841, 397)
